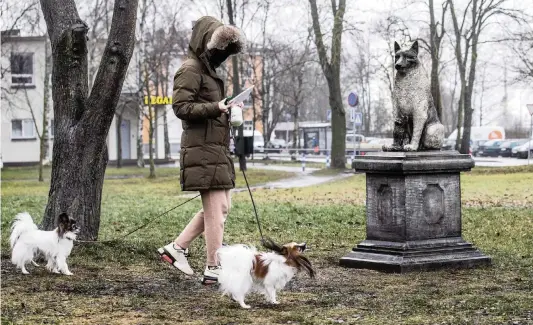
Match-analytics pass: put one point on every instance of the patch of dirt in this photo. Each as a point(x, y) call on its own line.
point(155, 294)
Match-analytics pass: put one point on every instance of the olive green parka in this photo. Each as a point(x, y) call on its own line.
point(205, 161)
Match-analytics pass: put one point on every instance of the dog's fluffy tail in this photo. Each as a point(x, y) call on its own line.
point(237, 262)
point(22, 223)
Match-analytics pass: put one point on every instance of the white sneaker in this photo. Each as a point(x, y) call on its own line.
point(176, 257)
point(211, 274)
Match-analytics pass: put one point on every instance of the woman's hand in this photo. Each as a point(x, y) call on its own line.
point(222, 106)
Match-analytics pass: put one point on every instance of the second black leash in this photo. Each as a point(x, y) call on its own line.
point(253, 202)
point(181, 204)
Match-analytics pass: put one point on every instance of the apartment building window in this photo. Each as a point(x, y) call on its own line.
point(22, 129)
point(22, 69)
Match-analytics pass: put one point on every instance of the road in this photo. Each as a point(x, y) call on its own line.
point(480, 161)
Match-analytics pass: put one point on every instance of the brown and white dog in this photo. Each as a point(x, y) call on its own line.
point(244, 269)
point(27, 240)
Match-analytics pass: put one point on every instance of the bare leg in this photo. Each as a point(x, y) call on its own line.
point(216, 209)
point(192, 230)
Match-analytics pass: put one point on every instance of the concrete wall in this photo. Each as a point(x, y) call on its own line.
point(20, 102)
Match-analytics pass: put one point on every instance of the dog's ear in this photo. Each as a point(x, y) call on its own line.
point(396, 47)
point(414, 47)
point(62, 223)
point(301, 247)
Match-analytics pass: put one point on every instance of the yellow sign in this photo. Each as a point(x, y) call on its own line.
point(158, 100)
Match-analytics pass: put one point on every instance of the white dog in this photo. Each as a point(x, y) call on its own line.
point(244, 269)
point(27, 240)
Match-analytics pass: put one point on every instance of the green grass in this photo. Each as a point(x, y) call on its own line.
point(31, 173)
point(125, 283)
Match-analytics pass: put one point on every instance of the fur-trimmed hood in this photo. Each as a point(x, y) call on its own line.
point(209, 33)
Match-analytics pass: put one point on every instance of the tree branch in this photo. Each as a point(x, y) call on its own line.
point(114, 63)
point(319, 41)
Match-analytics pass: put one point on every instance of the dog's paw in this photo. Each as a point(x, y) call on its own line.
point(275, 302)
point(25, 272)
point(245, 306)
point(409, 147)
point(68, 273)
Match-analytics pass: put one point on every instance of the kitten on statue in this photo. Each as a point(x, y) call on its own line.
point(416, 123)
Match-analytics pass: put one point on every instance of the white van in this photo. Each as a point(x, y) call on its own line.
point(478, 136)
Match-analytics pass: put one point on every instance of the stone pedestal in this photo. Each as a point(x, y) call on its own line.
point(413, 213)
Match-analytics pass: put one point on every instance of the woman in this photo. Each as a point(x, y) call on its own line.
point(206, 164)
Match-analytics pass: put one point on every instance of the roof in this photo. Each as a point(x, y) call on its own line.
point(289, 126)
point(13, 39)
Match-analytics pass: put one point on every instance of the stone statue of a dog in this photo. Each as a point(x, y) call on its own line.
point(416, 123)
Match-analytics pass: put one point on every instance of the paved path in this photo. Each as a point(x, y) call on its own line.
point(302, 178)
point(480, 161)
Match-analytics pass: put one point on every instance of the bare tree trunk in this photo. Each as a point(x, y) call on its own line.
point(119, 139)
point(331, 70)
point(237, 88)
point(46, 109)
point(165, 135)
point(151, 111)
point(435, 46)
point(140, 67)
point(82, 122)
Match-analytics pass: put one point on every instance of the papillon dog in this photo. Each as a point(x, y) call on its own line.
point(27, 240)
point(244, 269)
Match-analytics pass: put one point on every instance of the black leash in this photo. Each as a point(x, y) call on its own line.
point(252, 198)
point(182, 204)
point(140, 227)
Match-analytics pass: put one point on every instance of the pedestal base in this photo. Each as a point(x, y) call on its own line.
point(413, 213)
point(421, 255)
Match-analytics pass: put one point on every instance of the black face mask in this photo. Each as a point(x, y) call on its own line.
point(217, 57)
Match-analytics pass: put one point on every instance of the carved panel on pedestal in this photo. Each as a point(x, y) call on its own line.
point(433, 198)
point(385, 215)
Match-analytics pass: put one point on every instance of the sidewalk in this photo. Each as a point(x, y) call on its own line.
point(302, 179)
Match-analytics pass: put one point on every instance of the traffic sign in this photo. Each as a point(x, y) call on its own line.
point(358, 119)
point(353, 99)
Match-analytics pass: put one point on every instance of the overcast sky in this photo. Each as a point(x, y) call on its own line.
point(289, 20)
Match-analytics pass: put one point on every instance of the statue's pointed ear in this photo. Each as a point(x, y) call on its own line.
point(414, 47)
point(396, 47)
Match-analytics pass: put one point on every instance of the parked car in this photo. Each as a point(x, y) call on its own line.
point(448, 144)
point(522, 151)
point(506, 148)
point(278, 144)
point(259, 143)
point(490, 148)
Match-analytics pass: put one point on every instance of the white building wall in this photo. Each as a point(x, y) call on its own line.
point(175, 128)
point(18, 103)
